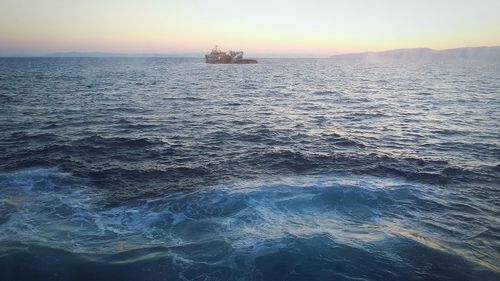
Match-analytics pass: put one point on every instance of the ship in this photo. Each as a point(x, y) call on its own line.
point(217, 56)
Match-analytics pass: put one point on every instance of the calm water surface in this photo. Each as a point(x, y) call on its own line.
point(300, 169)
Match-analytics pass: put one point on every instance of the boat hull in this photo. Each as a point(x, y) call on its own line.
point(241, 61)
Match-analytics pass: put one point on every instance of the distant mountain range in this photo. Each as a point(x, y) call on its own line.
point(418, 54)
point(411, 54)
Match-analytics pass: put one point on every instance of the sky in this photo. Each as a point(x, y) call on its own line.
point(259, 27)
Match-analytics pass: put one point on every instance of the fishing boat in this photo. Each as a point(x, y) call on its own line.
point(217, 56)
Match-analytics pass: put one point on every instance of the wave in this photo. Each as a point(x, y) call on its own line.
point(302, 225)
point(117, 142)
point(315, 257)
point(375, 164)
point(116, 160)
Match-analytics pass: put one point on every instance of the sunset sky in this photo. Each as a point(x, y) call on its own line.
point(259, 27)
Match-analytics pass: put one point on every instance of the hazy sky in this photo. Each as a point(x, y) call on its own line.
point(312, 27)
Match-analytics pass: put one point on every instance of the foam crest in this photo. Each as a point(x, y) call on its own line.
point(216, 225)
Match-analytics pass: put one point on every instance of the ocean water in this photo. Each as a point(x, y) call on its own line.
point(292, 169)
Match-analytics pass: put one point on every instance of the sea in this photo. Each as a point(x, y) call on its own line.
point(290, 169)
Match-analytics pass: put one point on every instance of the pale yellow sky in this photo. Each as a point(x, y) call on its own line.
point(260, 27)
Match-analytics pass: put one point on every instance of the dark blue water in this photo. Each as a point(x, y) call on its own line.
point(171, 169)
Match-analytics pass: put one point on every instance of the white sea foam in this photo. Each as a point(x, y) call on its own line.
point(52, 208)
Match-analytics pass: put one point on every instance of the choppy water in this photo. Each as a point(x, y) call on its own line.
point(166, 169)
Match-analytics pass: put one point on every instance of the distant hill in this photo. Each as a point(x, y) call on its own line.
point(419, 54)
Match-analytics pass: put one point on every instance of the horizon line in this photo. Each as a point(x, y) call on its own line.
point(199, 54)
